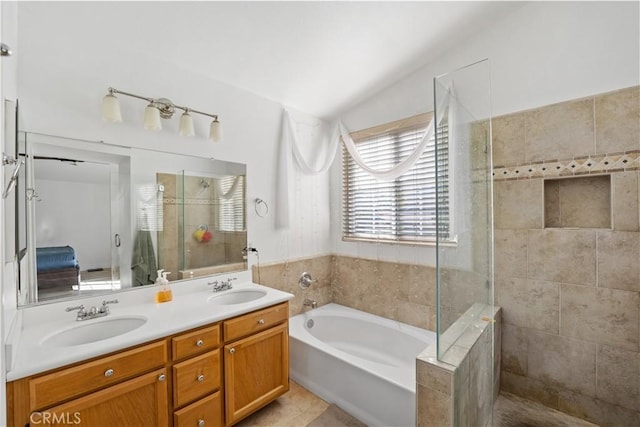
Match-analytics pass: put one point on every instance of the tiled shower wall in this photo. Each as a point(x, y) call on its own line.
point(570, 296)
point(402, 292)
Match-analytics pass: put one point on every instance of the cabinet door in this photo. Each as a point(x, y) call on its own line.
point(141, 401)
point(256, 371)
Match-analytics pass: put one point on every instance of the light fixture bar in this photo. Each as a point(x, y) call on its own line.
point(161, 101)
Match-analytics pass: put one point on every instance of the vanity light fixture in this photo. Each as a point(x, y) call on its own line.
point(156, 109)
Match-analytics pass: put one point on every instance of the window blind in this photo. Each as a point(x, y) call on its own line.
point(231, 212)
point(403, 209)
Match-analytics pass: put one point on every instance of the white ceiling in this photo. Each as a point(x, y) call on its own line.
point(317, 57)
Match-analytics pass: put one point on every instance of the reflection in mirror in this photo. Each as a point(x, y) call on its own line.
point(96, 218)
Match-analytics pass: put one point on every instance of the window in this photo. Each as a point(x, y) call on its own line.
point(403, 210)
point(231, 199)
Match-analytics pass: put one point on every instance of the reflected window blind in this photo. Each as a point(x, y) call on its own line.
point(231, 212)
point(400, 210)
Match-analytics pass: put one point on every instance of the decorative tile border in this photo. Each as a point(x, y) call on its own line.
point(596, 164)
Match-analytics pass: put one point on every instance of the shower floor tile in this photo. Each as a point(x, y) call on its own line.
point(513, 411)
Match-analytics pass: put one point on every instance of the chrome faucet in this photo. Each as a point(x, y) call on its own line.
point(310, 303)
point(222, 286)
point(94, 312)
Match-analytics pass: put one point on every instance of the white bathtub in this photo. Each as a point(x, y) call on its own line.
point(363, 363)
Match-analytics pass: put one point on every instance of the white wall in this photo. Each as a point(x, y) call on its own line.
point(61, 89)
point(544, 52)
point(75, 214)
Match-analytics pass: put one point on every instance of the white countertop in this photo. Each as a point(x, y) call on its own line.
point(189, 309)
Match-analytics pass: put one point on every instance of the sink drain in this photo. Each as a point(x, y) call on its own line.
point(310, 323)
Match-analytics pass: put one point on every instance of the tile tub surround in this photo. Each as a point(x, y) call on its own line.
point(402, 292)
point(570, 297)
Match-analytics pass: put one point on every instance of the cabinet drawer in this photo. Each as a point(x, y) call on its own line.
point(255, 321)
point(67, 383)
point(196, 377)
point(206, 412)
point(195, 342)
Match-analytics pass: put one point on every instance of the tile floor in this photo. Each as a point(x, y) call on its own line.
point(299, 407)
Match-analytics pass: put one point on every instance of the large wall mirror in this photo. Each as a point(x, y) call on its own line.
point(95, 218)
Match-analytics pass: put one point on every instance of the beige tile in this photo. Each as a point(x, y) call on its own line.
point(434, 409)
point(567, 256)
point(618, 121)
point(518, 204)
point(552, 203)
point(596, 410)
point(618, 260)
point(529, 303)
point(585, 202)
point(559, 131)
point(434, 378)
point(508, 140)
point(422, 285)
point(510, 253)
point(618, 376)
point(626, 201)
point(515, 343)
point(605, 316)
point(512, 411)
point(421, 316)
point(529, 388)
point(562, 362)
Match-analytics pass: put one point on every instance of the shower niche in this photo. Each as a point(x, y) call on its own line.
point(578, 202)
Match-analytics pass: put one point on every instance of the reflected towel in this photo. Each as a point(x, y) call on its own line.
point(143, 260)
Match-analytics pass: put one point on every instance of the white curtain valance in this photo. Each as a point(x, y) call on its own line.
point(289, 143)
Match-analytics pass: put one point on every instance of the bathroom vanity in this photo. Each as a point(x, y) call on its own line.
point(214, 374)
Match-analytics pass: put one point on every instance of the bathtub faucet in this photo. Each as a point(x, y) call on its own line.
point(310, 302)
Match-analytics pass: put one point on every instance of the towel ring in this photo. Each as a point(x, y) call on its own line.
point(261, 207)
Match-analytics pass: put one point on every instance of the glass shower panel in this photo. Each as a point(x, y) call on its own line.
point(464, 208)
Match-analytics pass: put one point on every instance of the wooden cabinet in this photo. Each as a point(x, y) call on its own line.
point(211, 376)
point(105, 391)
point(197, 381)
point(256, 368)
point(141, 401)
point(203, 413)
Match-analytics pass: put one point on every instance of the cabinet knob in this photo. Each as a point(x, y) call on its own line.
point(200, 378)
point(199, 343)
point(108, 372)
point(200, 422)
point(261, 322)
point(232, 350)
point(161, 377)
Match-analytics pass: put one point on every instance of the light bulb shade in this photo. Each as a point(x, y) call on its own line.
point(111, 109)
point(215, 132)
point(186, 125)
point(152, 118)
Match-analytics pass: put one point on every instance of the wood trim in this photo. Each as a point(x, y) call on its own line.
point(408, 123)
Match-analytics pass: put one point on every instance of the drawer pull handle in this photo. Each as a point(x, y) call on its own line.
point(200, 422)
point(232, 350)
point(161, 377)
point(108, 372)
point(200, 378)
point(261, 322)
point(199, 343)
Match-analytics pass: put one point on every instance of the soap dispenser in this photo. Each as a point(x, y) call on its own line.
point(163, 293)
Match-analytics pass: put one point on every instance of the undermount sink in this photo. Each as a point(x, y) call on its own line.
point(237, 296)
point(94, 331)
